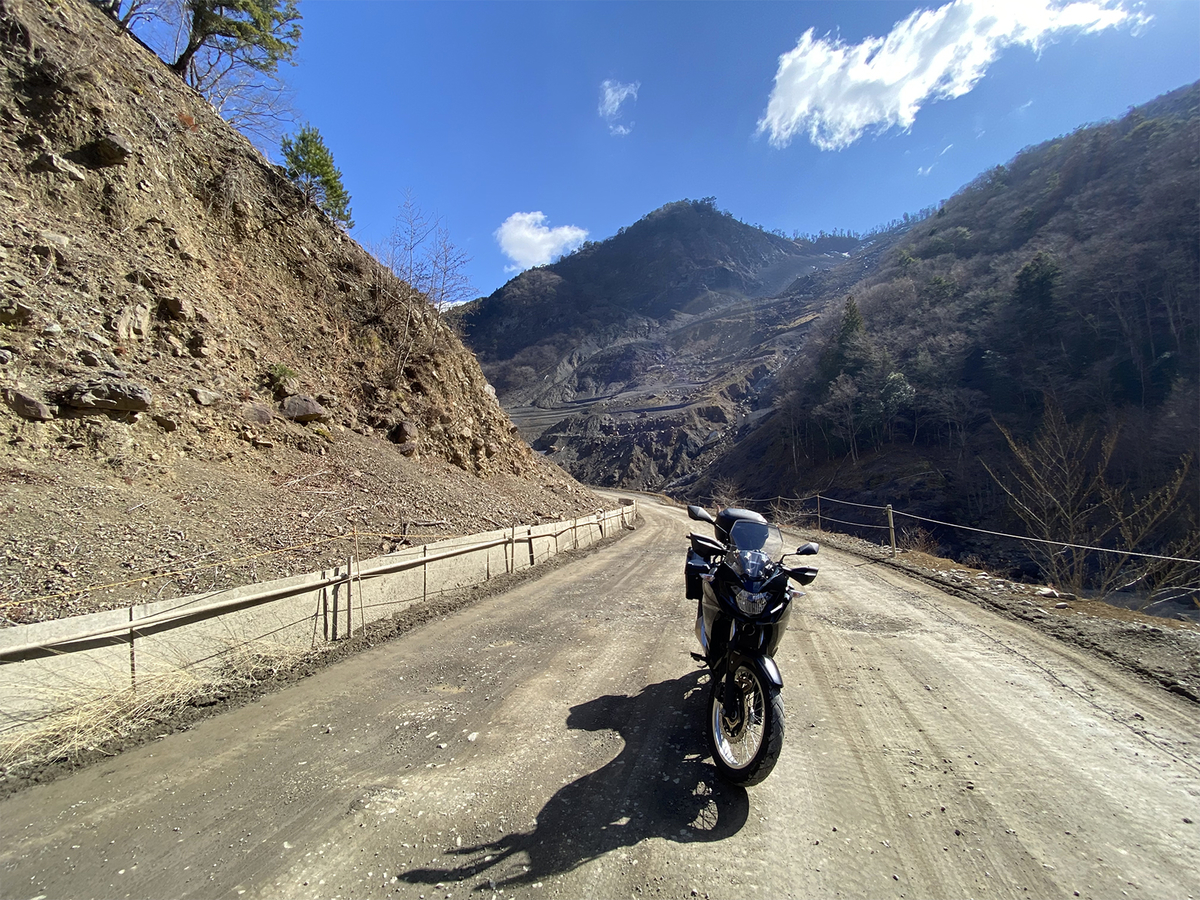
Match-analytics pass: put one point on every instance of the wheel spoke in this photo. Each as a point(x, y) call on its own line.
point(739, 732)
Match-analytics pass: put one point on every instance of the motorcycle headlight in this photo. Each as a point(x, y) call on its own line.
point(752, 604)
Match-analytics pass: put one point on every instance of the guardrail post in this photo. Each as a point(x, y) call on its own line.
point(132, 657)
point(532, 558)
point(349, 595)
point(891, 529)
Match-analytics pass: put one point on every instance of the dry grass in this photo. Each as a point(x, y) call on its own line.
point(85, 723)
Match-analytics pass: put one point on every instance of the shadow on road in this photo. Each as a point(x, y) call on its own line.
point(658, 786)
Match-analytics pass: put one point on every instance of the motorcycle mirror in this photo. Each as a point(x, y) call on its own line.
point(808, 549)
point(803, 574)
point(701, 515)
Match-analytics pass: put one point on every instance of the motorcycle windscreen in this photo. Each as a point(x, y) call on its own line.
point(755, 545)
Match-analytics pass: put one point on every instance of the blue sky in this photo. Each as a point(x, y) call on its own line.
point(570, 120)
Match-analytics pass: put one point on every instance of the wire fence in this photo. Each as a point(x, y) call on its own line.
point(818, 499)
point(349, 548)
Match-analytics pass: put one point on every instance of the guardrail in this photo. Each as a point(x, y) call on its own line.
point(66, 661)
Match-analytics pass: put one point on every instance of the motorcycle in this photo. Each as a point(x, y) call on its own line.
point(744, 601)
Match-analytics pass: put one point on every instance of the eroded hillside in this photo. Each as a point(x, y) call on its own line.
point(196, 364)
point(636, 360)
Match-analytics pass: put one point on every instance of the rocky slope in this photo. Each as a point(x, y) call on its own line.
point(633, 361)
point(195, 364)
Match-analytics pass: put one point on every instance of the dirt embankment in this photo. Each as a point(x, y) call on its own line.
point(203, 381)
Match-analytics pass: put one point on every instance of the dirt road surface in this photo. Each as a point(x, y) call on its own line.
point(547, 742)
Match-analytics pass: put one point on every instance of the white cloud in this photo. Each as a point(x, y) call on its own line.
point(925, 170)
point(834, 93)
point(527, 241)
point(612, 95)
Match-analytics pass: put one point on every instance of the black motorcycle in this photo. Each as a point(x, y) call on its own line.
point(744, 603)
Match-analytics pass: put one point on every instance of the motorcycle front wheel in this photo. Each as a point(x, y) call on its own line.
point(745, 729)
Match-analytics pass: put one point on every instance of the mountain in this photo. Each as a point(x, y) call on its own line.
point(1053, 304)
point(633, 360)
point(195, 363)
point(1042, 324)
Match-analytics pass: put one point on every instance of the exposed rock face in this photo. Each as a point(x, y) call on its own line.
point(632, 362)
point(163, 289)
point(146, 235)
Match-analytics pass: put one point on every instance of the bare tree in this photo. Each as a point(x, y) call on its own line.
point(1137, 520)
point(1055, 491)
point(433, 279)
point(725, 494)
point(1061, 493)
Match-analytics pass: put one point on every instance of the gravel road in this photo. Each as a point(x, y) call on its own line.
point(548, 742)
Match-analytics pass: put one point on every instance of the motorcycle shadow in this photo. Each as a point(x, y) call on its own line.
point(659, 785)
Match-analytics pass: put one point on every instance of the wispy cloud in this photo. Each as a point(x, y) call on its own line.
point(527, 241)
point(613, 95)
point(834, 92)
point(925, 170)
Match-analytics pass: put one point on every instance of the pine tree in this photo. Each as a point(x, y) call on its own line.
point(255, 34)
point(310, 165)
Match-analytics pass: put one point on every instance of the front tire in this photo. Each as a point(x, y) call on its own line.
point(745, 730)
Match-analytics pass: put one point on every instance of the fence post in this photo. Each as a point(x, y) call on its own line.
point(891, 528)
point(349, 596)
point(333, 619)
point(818, 512)
point(532, 558)
point(132, 656)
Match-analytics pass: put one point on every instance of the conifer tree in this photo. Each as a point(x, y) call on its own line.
point(253, 34)
point(310, 165)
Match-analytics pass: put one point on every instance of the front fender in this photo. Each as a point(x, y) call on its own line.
point(762, 664)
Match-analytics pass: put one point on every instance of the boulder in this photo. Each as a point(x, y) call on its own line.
point(116, 394)
point(28, 407)
point(203, 397)
point(286, 387)
point(403, 433)
point(52, 162)
point(132, 321)
point(256, 414)
point(180, 308)
point(302, 408)
point(14, 312)
point(110, 150)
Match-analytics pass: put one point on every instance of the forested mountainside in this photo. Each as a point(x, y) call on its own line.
point(1050, 307)
point(194, 361)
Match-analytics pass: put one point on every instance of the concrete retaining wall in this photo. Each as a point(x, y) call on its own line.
point(49, 666)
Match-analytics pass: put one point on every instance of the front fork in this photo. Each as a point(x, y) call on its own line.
point(749, 654)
